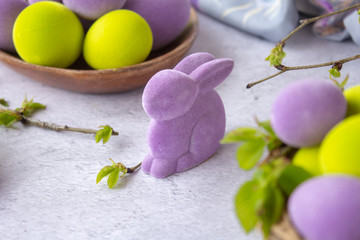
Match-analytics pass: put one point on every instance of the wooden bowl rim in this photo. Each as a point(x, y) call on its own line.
point(192, 24)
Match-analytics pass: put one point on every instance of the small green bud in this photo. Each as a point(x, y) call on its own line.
point(276, 56)
point(104, 133)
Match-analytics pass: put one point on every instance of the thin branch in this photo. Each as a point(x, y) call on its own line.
point(59, 128)
point(303, 23)
point(51, 126)
point(250, 85)
point(277, 153)
point(133, 169)
point(285, 68)
point(307, 21)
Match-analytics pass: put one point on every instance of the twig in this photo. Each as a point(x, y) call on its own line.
point(133, 169)
point(303, 23)
point(59, 128)
point(277, 153)
point(286, 68)
point(307, 21)
point(51, 126)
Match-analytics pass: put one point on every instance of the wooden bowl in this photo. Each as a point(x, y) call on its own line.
point(80, 78)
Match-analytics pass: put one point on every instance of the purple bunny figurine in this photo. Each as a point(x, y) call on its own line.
point(188, 116)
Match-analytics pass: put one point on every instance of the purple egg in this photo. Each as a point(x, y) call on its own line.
point(9, 10)
point(327, 208)
point(305, 111)
point(195, 3)
point(93, 9)
point(167, 18)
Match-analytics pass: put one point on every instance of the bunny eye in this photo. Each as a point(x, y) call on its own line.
point(169, 94)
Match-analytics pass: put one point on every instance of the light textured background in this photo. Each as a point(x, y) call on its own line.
point(47, 179)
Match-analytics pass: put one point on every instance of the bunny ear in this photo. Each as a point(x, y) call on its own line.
point(212, 73)
point(193, 61)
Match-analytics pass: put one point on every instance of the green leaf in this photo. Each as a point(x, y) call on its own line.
point(114, 177)
point(247, 200)
point(335, 72)
point(242, 134)
point(267, 127)
point(249, 153)
point(35, 106)
point(29, 107)
point(272, 141)
point(291, 177)
point(104, 172)
point(3, 102)
point(276, 56)
point(104, 134)
point(7, 118)
point(272, 209)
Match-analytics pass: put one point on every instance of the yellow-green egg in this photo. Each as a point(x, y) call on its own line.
point(339, 152)
point(49, 34)
point(117, 39)
point(352, 96)
point(308, 159)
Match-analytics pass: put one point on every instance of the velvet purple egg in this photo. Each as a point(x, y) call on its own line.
point(327, 208)
point(304, 112)
point(167, 18)
point(9, 10)
point(93, 9)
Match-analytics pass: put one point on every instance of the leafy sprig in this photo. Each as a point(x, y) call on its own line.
point(8, 117)
point(277, 54)
point(3, 102)
point(115, 172)
point(261, 201)
point(29, 107)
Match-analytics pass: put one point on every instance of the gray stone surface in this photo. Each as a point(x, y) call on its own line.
point(47, 179)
